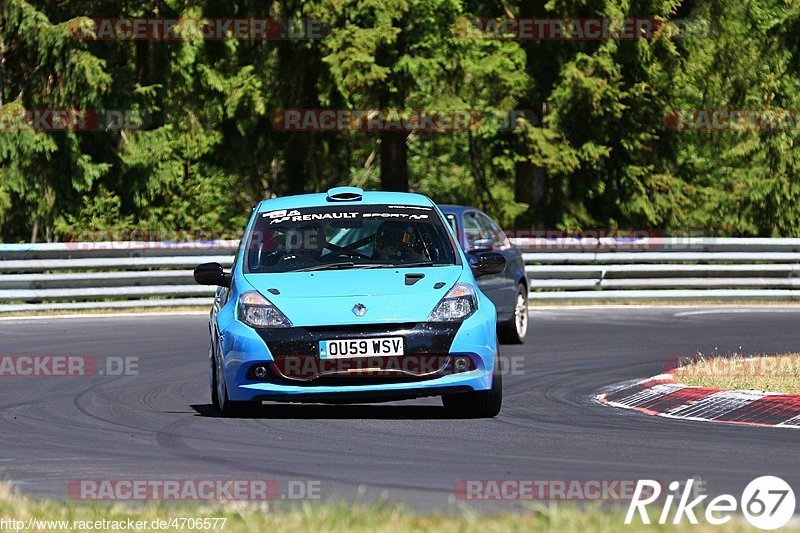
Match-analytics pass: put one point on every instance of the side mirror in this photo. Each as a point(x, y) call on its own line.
point(482, 245)
point(488, 264)
point(211, 274)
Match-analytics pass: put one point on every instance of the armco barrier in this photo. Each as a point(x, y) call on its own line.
point(106, 275)
point(653, 268)
point(57, 276)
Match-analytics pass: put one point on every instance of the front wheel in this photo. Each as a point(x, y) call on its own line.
point(515, 330)
point(478, 404)
point(219, 394)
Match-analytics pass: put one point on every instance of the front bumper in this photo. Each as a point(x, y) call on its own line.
point(243, 348)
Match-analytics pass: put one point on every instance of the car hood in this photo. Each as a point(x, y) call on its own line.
point(326, 298)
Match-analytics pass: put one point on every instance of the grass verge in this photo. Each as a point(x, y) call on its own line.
point(46, 515)
point(779, 373)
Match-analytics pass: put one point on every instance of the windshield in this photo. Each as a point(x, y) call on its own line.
point(339, 237)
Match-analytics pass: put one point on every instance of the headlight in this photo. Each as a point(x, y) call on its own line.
point(459, 303)
point(258, 312)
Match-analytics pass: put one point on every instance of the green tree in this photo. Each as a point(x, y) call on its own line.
point(745, 181)
point(44, 68)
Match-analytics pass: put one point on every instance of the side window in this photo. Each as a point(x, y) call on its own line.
point(472, 229)
point(492, 231)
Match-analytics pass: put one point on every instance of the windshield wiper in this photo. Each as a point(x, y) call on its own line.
point(375, 265)
point(414, 265)
point(327, 266)
point(350, 264)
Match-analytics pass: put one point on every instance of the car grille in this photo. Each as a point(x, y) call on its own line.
point(311, 371)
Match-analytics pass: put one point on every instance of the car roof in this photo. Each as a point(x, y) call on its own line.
point(322, 199)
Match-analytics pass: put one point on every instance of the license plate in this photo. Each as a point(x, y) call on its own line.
point(343, 348)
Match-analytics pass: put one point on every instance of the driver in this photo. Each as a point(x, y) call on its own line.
point(307, 242)
point(398, 241)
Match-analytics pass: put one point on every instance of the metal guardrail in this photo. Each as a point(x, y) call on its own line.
point(654, 268)
point(106, 275)
point(111, 275)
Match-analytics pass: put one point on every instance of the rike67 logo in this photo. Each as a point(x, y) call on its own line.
point(767, 503)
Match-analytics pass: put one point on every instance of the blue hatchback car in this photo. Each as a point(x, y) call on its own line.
point(351, 296)
point(478, 234)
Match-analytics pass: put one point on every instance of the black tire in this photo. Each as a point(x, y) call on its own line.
point(478, 404)
point(515, 330)
point(213, 380)
point(219, 396)
point(231, 409)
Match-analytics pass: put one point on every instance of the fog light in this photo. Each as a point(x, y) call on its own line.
point(461, 364)
point(261, 372)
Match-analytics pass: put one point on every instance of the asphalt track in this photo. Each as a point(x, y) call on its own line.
point(159, 424)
